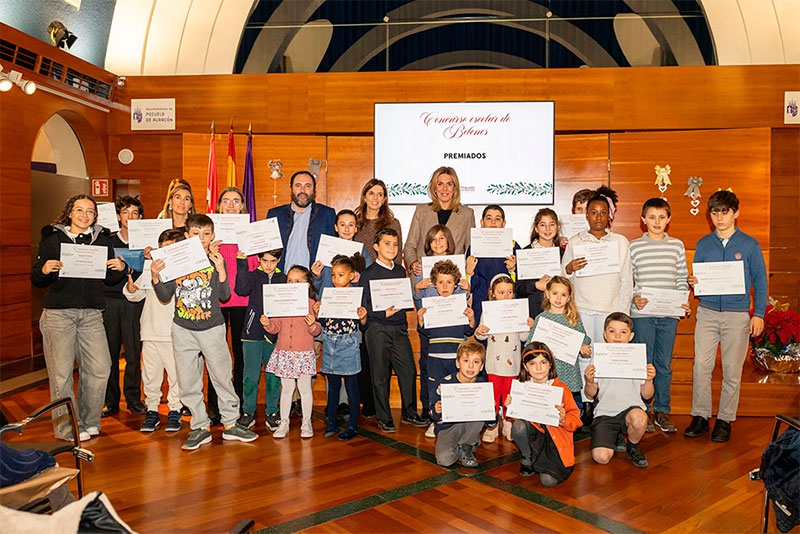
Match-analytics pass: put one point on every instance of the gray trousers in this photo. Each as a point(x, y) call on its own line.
point(69, 336)
point(186, 345)
point(449, 441)
point(730, 330)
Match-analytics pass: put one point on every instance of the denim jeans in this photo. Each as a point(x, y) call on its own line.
point(69, 336)
point(658, 335)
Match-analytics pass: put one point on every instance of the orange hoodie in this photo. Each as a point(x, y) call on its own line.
point(562, 434)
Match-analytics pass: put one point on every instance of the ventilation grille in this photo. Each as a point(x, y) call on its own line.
point(46, 66)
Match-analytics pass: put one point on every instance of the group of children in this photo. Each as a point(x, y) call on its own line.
point(599, 307)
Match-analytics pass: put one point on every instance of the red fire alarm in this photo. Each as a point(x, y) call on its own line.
point(100, 187)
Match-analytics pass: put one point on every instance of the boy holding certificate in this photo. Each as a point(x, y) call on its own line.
point(620, 402)
point(386, 335)
point(456, 442)
point(198, 326)
point(443, 340)
point(658, 261)
point(724, 319)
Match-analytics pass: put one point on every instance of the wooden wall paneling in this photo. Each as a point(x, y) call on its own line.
point(157, 159)
point(293, 151)
point(581, 162)
point(739, 159)
point(784, 219)
point(587, 100)
point(350, 166)
point(15, 335)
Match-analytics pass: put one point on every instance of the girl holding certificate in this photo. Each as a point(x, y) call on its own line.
point(598, 295)
point(559, 307)
point(547, 450)
point(544, 234)
point(72, 318)
point(293, 359)
point(341, 358)
point(231, 201)
point(502, 357)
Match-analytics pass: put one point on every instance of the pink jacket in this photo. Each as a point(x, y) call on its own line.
point(228, 252)
point(293, 332)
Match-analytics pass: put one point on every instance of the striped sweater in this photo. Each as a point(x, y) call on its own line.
point(658, 264)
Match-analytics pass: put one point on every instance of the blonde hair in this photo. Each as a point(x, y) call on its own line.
point(571, 310)
point(455, 203)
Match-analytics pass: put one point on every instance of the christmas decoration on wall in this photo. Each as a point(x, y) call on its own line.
point(693, 192)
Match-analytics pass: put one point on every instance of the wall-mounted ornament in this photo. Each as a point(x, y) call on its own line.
point(314, 166)
point(693, 192)
point(275, 175)
point(662, 178)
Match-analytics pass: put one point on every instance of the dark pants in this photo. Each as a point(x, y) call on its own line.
point(121, 321)
point(423, 373)
point(388, 348)
point(234, 320)
point(334, 387)
point(365, 383)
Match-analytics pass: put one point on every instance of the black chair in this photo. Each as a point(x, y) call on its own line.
point(779, 420)
point(54, 448)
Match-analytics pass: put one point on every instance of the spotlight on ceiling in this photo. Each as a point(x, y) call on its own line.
point(60, 35)
point(7, 81)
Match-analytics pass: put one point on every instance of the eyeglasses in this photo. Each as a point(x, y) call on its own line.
point(235, 202)
point(81, 211)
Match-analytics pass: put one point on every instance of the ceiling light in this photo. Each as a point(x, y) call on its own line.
point(7, 81)
point(60, 35)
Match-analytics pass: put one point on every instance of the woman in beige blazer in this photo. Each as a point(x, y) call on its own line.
point(445, 208)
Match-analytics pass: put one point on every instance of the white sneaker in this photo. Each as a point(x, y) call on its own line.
point(306, 430)
point(283, 429)
point(491, 434)
point(430, 432)
point(93, 431)
point(84, 436)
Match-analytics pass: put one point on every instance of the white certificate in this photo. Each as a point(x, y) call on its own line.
point(719, 278)
point(391, 292)
point(491, 242)
point(429, 261)
point(663, 302)
point(227, 225)
point(107, 216)
point(534, 263)
point(330, 246)
point(83, 261)
point(562, 340)
point(467, 402)
point(260, 236)
point(620, 360)
point(145, 280)
point(340, 302)
point(572, 224)
point(183, 257)
point(535, 402)
point(601, 258)
point(445, 311)
point(285, 300)
point(143, 233)
point(506, 315)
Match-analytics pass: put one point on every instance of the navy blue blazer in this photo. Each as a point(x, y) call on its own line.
point(323, 220)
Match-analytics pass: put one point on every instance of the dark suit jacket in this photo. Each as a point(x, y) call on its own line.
point(323, 220)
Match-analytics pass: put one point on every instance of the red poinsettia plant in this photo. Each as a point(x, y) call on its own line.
point(781, 327)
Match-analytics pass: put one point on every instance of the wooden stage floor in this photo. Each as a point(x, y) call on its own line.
point(391, 483)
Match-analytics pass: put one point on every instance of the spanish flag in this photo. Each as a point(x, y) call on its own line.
point(231, 160)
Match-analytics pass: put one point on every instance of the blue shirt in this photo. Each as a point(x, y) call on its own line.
point(296, 248)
